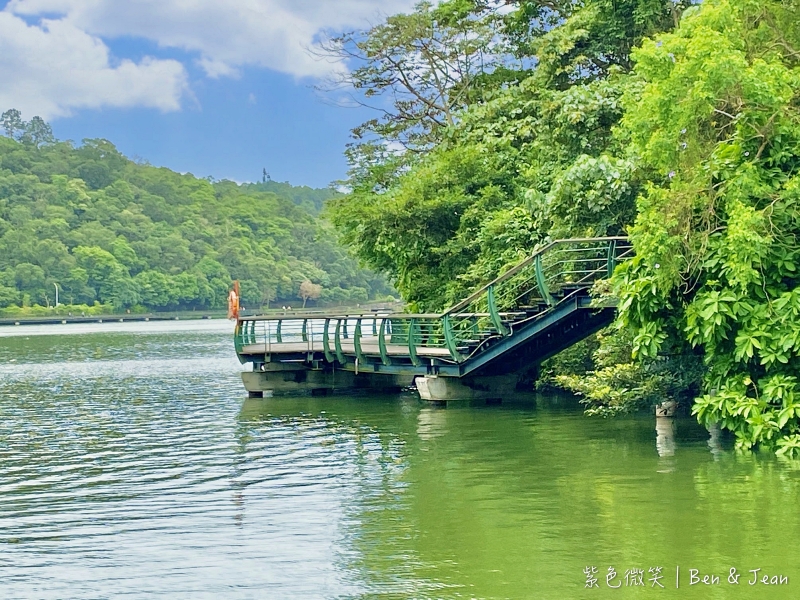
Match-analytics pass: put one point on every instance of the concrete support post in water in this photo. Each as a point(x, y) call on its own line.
point(280, 379)
point(445, 389)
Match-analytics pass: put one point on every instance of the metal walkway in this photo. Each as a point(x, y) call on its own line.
point(531, 312)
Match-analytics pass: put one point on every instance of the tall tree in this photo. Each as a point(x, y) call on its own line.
point(530, 157)
point(13, 124)
point(37, 133)
point(309, 291)
point(418, 70)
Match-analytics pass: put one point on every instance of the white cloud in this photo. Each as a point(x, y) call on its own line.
point(57, 61)
point(225, 34)
point(54, 68)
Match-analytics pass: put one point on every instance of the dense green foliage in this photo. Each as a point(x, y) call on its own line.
point(714, 120)
point(678, 124)
point(313, 200)
point(107, 230)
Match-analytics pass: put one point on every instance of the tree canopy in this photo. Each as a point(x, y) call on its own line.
point(713, 120)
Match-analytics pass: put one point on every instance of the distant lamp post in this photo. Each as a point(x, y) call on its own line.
point(55, 284)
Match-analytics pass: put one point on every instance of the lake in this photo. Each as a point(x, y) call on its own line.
point(131, 465)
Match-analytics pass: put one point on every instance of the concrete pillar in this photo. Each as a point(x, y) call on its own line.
point(666, 408)
point(295, 379)
point(665, 437)
point(435, 388)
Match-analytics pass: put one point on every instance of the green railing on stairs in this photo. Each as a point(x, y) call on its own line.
point(553, 274)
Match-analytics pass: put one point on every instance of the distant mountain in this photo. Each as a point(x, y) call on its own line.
point(103, 228)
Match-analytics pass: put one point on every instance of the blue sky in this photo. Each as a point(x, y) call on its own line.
point(233, 130)
point(219, 88)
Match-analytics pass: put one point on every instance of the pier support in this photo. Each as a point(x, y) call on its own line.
point(289, 379)
point(445, 389)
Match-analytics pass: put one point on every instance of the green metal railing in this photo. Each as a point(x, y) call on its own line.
point(553, 274)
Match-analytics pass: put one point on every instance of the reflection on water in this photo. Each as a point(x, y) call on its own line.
point(666, 428)
point(715, 440)
point(431, 423)
point(130, 464)
point(666, 432)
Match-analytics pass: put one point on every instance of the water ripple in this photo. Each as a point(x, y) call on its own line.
point(132, 466)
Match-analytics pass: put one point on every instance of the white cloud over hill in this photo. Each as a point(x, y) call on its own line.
point(54, 58)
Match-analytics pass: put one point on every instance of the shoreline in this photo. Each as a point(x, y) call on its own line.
point(65, 320)
point(182, 315)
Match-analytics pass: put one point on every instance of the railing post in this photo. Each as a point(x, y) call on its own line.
point(326, 342)
point(304, 333)
point(612, 257)
point(337, 342)
point(450, 338)
point(238, 342)
point(541, 282)
point(357, 341)
point(382, 343)
point(278, 337)
point(412, 342)
point(494, 313)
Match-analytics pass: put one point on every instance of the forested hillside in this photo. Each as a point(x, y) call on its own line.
point(675, 122)
point(313, 200)
point(105, 229)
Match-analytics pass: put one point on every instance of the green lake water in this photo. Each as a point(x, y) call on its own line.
point(131, 465)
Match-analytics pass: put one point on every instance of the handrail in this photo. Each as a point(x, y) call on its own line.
point(526, 262)
point(354, 316)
